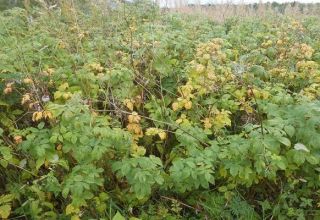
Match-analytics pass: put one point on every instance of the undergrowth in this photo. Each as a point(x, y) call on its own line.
point(126, 112)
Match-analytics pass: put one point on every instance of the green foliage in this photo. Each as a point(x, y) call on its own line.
point(195, 171)
point(218, 207)
point(141, 173)
point(81, 182)
point(139, 114)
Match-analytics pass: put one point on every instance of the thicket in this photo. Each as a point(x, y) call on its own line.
point(129, 113)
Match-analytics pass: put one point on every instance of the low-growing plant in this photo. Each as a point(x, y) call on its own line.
point(140, 114)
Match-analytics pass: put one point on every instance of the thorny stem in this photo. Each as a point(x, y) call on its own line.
point(181, 203)
point(258, 111)
point(19, 167)
point(162, 122)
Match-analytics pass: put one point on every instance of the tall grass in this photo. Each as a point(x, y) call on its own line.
point(221, 11)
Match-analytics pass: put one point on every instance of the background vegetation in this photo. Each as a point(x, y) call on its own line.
point(124, 111)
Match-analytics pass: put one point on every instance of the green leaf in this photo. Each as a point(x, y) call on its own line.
point(53, 139)
point(118, 216)
point(299, 158)
point(4, 163)
point(75, 217)
point(312, 159)
point(159, 179)
point(281, 164)
point(2, 103)
point(234, 170)
point(63, 163)
point(41, 125)
point(65, 192)
point(223, 189)
point(265, 205)
point(73, 139)
point(290, 130)
point(39, 163)
point(6, 153)
point(285, 141)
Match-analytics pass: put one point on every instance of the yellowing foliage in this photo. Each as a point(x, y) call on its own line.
point(139, 113)
point(156, 131)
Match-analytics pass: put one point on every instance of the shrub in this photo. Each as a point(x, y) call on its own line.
point(142, 114)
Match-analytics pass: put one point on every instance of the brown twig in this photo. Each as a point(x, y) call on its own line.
point(258, 111)
point(181, 203)
point(19, 167)
point(112, 102)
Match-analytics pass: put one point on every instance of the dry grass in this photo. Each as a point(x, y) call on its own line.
point(220, 12)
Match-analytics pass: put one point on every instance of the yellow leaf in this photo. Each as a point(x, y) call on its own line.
point(134, 118)
point(129, 103)
point(25, 98)
point(6, 198)
point(134, 128)
point(96, 67)
point(47, 114)
point(62, 45)
point(162, 135)
point(179, 121)
point(222, 119)
point(207, 123)
point(63, 87)
point(57, 95)
point(36, 116)
point(188, 105)
point(27, 81)
point(130, 106)
point(200, 68)
point(175, 106)
point(182, 119)
point(137, 151)
point(152, 131)
point(50, 71)
point(70, 209)
point(186, 90)
point(75, 217)
point(66, 95)
point(246, 107)
point(206, 56)
point(7, 90)
point(17, 139)
point(5, 211)
point(265, 95)
point(59, 147)
point(156, 131)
